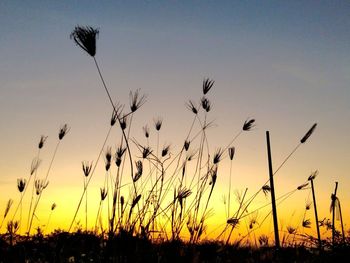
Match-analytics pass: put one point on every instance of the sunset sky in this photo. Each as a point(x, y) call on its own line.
point(284, 63)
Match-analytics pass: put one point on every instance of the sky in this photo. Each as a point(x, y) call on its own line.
point(284, 63)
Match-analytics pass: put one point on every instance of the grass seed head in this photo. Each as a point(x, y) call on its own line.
point(306, 223)
point(40, 185)
point(146, 151)
point(309, 133)
point(115, 114)
point(21, 184)
point(8, 207)
point(108, 154)
point(266, 189)
point(206, 105)
point(231, 152)
point(291, 230)
point(85, 38)
point(123, 122)
point(135, 201)
point(248, 124)
point(313, 175)
point(165, 150)
point(35, 165)
point(207, 85)
point(308, 205)
point(139, 168)
point(12, 227)
point(192, 107)
point(303, 186)
point(146, 131)
point(217, 156)
point(158, 123)
point(233, 221)
point(214, 175)
point(42, 141)
point(87, 166)
point(53, 206)
point(136, 100)
point(103, 192)
point(63, 131)
point(191, 155)
point(184, 193)
point(187, 145)
point(263, 240)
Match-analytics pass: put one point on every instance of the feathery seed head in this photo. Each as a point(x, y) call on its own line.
point(135, 201)
point(118, 155)
point(308, 205)
point(263, 240)
point(248, 124)
point(85, 37)
point(145, 152)
point(192, 107)
point(206, 105)
point(123, 122)
point(146, 131)
point(108, 154)
point(107, 165)
point(233, 221)
point(21, 184)
point(42, 141)
point(120, 151)
point(40, 185)
point(191, 155)
point(8, 207)
point(253, 221)
point(63, 131)
point(139, 171)
point(165, 150)
point(187, 145)
point(158, 123)
point(217, 156)
point(308, 134)
point(207, 85)
point(116, 113)
point(213, 173)
point(103, 192)
point(34, 166)
point(266, 189)
point(231, 152)
point(12, 227)
point(306, 223)
point(184, 193)
point(291, 230)
point(87, 166)
point(313, 175)
point(136, 100)
point(302, 186)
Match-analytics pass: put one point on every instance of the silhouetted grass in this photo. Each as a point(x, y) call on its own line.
point(87, 247)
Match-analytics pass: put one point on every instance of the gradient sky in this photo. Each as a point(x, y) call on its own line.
point(284, 63)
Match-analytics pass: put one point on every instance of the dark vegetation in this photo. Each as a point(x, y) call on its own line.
point(88, 247)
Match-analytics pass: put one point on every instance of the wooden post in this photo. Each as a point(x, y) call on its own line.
point(316, 217)
point(273, 200)
point(334, 198)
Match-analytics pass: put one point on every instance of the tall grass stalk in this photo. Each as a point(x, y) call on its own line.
point(64, 129)
point(311, 179)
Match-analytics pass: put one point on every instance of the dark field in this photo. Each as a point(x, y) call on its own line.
point(86, 247)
